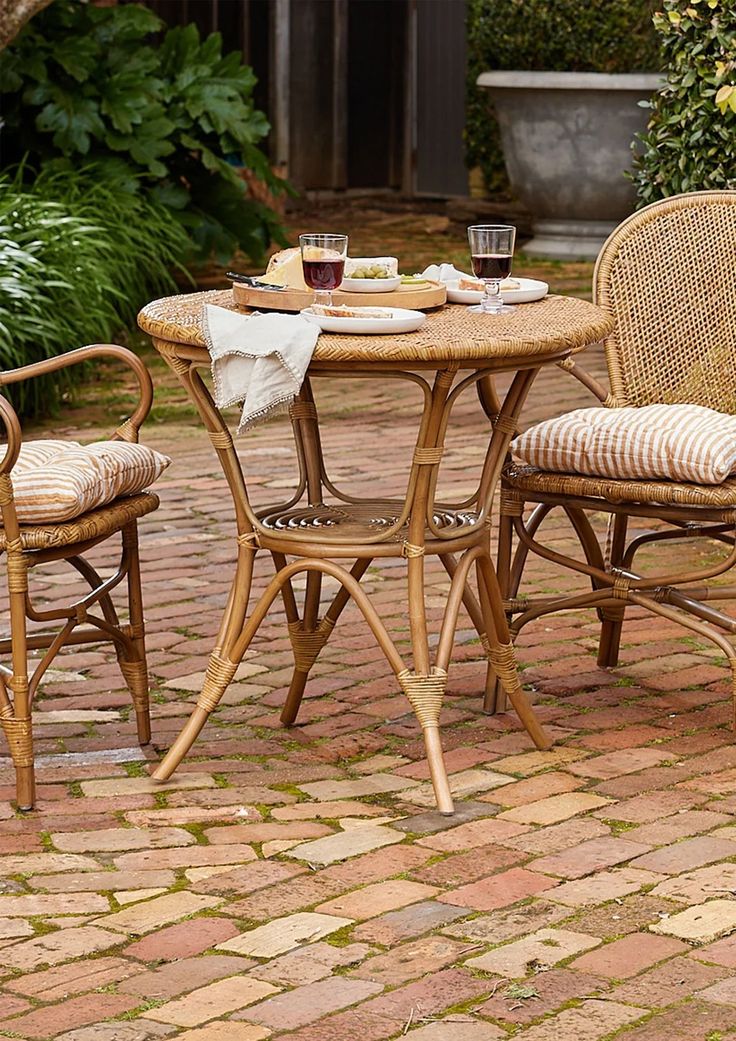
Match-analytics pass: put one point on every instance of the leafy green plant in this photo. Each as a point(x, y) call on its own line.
point(79, 255)
point(83, 82)
point(690, 142)
point(554, 35)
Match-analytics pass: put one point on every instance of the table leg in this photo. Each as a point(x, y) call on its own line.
point(222, 665)
point(476, 616)
point(308, 642)
point(501, 650)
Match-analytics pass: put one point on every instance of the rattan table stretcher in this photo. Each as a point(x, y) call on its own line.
point(462, 351)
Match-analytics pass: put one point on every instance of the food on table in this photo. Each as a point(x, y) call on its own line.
point(471, 284)
point(475, 286)
point(285, 269)
point(414, 280)
point(371, 267)
point(349, 312)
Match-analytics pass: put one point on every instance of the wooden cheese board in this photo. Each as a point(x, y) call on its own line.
point(417, 298)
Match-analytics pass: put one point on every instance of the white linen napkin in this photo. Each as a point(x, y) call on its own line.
point(259, 359)
point(444, 273)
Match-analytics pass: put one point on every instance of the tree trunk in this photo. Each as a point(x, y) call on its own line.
point(13, 16)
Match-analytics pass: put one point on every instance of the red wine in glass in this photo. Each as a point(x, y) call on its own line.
point(492, 265)
point(323, 274)
point(323, 263)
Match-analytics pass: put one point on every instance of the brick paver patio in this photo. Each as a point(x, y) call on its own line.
point(297, 883)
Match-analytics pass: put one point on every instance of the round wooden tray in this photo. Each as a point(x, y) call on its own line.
point(423, 299)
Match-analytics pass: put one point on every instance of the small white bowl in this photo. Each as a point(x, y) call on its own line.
point(370, 285)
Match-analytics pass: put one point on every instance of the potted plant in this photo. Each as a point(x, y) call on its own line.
point(565, 79)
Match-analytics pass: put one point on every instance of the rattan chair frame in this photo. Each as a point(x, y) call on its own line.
point(27, 546)
point(411, 528)
point(645, 365)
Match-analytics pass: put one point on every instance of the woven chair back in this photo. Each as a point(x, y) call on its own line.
point(667, 276)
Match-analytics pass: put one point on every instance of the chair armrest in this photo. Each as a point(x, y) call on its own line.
point(570, 365)
point(128, 429)
point(13, 433)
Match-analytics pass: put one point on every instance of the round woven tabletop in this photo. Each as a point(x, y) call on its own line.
point(451, 334)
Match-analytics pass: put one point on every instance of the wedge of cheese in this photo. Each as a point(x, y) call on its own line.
point(287, 273)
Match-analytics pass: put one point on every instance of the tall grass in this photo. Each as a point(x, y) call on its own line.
point(79, 256)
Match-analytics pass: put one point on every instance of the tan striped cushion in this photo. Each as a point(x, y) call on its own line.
point(59, 480)
point(671, 442)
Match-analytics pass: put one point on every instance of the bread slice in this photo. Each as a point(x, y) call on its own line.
point(349, 312)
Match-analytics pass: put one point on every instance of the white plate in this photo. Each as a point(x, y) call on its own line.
point(370, 285)
point(529, 289)
point(402, 320)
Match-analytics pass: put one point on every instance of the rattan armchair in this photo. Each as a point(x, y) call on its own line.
point(27, 545)
point(666, 277)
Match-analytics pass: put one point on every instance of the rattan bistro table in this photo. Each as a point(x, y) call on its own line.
point(323, 528)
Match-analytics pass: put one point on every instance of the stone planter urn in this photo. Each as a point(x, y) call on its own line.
point(567, 140)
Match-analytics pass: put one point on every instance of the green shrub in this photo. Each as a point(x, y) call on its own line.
point(690, 142)
point(79, 255)
point(85, 82)
point(554, 35)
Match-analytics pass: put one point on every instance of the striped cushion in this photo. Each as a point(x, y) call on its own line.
point(59, 480)
point(671, 442)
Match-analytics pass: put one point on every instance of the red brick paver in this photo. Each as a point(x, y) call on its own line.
point(131, 911)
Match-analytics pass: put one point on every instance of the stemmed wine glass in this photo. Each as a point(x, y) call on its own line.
point(323, 263)
point(491, 250)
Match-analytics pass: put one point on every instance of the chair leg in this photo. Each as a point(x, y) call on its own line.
point(495, 699)
point(135, 672)
point(309, 635)
point(16, 719)
point(612, 621)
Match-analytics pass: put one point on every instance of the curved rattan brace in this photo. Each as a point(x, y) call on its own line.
point(219, 676)
point(307, 645)
point(19, 737)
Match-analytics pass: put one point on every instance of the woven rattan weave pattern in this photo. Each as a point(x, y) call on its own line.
point(660, 350)
point(556, 323)
point(93, 525)
point(528, 478)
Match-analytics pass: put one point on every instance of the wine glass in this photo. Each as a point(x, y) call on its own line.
point(491, 250)
point(323, 263)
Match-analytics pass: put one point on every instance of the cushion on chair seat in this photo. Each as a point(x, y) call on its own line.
point(55, 481)
point(665, 442)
